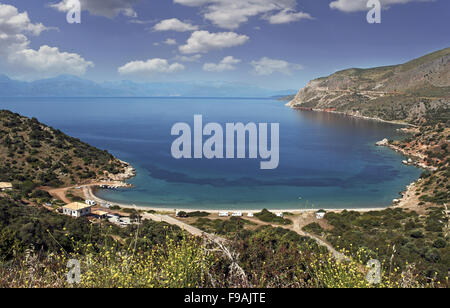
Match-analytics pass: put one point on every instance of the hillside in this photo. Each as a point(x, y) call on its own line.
point(406, 92)
point(32, 151)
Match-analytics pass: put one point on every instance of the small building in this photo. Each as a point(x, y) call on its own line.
point(125, 221)
point(224, 214)
point(250, 215)
point(281, 215)
point(237, 214)
point(5, 186)
point(91, 202)
point(320, 214)
point(114, 218)
point(77, 209)
point(100, 214)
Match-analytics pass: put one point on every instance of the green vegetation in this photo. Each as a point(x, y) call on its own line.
point(270, 217)
point(31, 151)
point(395, 237)
point(25, 226)
point(314, 228)
point(198, 214)
point(183, 214)
point(229, 227)
point(36, 244)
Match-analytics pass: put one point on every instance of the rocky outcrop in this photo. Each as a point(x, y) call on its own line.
point(128, 173)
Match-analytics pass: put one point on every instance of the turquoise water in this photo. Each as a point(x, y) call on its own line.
point(327, 160)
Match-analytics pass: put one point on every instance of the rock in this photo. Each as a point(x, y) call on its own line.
point(383, 142)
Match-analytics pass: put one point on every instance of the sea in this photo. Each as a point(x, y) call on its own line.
point(327, 160)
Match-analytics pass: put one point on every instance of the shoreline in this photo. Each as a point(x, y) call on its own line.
point(353, 115)
point(396, 203)
point(90, 193)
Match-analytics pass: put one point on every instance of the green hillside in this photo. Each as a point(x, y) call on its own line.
point(32, 151)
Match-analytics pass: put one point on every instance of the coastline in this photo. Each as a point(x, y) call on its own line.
point(89, 193)
point(353, 115)
point(130, 172)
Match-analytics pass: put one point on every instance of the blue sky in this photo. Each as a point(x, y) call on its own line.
point(277, 44)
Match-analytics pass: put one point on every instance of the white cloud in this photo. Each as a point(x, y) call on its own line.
point(267, 66)
point(287, 16)
point(24, 62)
point(106, 8)
point(13, 22)
point(174, 24)
point(170, 41)
point(149, 67)
point(361, 5)
point(204, 41)
point(230, 14)
point(50, 61)
point(227, 64)
point(193, 58)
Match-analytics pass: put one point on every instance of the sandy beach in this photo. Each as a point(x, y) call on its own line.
point(89, 194)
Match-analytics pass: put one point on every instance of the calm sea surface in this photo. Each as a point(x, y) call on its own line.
point(326, 160)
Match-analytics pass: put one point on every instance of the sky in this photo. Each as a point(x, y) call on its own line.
point(275, 44)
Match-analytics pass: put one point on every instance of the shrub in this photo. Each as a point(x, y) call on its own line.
point(270, 217)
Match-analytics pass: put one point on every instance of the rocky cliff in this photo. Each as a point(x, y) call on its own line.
point(407, 92)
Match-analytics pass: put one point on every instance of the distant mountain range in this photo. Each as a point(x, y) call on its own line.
point(407, 92)
point(72, 86)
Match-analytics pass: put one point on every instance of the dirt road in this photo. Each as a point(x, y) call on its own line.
point(297, 227)
point(60, 193)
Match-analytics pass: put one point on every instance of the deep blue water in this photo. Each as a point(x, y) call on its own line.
point(328, 160)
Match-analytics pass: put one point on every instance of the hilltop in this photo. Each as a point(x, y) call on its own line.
point(31, 151)
point(407, 92)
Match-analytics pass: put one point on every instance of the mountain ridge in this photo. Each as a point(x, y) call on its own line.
point(405, 92)
point(73, 86)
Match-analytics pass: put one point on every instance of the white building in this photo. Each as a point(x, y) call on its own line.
point(237, 214)
point(251, 215)
point(320, 214)
point(224, 214)
point(100, 214)
point(114, 218)
point(91, 202)
point(77, 209)
point(5, 186)
point(280, 215)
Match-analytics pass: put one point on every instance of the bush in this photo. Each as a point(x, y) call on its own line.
point(314, 228)
point(270, 217)
point(439, 243)
point(417, 234)
point(198, 214)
